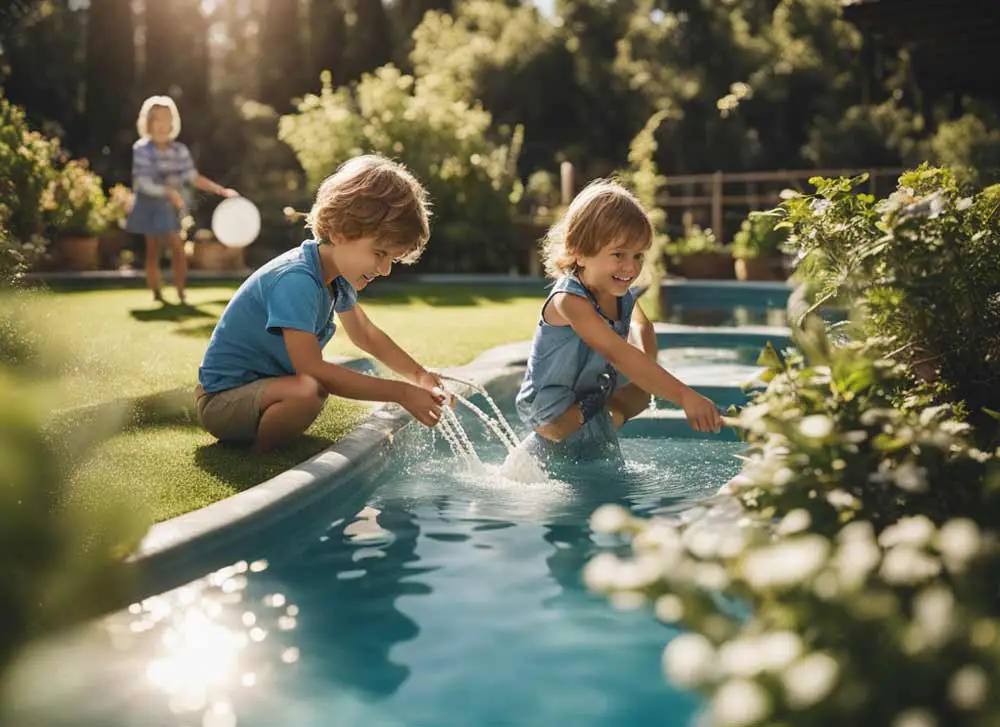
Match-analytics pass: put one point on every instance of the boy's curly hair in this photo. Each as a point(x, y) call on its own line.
point(602, 214)
point(371, 196)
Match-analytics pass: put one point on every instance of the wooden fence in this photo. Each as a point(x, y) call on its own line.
point(722, 200)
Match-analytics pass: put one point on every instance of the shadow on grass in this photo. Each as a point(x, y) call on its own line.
point(201, 330)
point(234, 465)
point(170, 312)
point(447, 295)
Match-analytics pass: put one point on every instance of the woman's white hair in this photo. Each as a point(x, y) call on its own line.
point(142, 124)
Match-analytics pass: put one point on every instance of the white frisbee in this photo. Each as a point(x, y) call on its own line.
point(236, 222)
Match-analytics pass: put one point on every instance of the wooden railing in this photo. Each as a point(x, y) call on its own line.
point(705, 198)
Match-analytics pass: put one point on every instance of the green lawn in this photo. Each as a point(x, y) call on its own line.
point(127, 347)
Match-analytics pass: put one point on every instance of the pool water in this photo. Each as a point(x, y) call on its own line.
point(451, 598)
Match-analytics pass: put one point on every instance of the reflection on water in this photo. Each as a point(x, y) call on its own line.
point(452, 598)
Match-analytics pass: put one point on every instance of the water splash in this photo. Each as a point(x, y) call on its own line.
point(455, 434)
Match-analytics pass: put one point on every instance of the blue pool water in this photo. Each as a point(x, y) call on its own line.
point(452, 598)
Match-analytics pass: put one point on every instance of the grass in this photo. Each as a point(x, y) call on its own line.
point(121, 345)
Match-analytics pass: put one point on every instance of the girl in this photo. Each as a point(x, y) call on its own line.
point(162, 173)
point(573, 396)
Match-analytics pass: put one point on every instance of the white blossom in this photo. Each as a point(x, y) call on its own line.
point(740, 702)
point(609, 519)
point(689, 660)
point(810, 680)
point(787, 563)
point(968, 687)
point(816, 426)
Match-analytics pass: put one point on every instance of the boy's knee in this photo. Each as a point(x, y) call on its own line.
point(308, 389)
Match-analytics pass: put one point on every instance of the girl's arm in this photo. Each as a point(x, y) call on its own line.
point(207, 185)
point(373, 340)
point(636, 364)
point(641, 333)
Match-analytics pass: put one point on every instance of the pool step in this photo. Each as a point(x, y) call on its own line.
point(674, 335)
point(659, 422)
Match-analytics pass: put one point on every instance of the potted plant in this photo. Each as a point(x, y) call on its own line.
point(112, 240)
point(699, 255)
point(757, 247)
point(75, 209)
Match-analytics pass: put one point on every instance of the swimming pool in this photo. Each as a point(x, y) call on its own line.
point(438, 596)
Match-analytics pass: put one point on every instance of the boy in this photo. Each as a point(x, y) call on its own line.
point(263, 379)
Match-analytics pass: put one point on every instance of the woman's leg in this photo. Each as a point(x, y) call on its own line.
point(153, 278)
point(288, 406)
point(179, 264)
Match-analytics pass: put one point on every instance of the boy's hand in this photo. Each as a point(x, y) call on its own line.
point(701, 412)
point(423, 404)
point(430, 380)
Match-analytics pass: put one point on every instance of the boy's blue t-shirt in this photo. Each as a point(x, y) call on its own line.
point(287, 292)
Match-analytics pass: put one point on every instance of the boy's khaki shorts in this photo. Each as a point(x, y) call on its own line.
point(232, 415)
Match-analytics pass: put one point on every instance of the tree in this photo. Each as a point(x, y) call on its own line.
point(328, 49)
point(110, 80)
point(281, 58)
point(370, 38)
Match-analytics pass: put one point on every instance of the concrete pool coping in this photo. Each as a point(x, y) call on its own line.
point(186, 547)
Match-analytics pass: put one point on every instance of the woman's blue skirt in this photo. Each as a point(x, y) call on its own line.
point(153, 216)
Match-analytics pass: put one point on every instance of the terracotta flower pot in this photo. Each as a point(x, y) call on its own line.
point(213, 255)
point(760, 269)
point(77, 253)
point(704, 265)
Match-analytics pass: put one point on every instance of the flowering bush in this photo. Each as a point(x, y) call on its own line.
point(895, 630)
point(74, 201)
point(827, 438)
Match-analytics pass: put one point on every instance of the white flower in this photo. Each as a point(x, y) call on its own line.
point(601, 572)
point(968, 687)
point(782, 477)
point(795, 522)
point(609, 519)
point(741, 657)
point(786, 563)
point(816, 426)
point(855, 559)
point(842, 500)
point(958, 540)
point(669, 608)
point(911, 478)
point(914, 718)
point(779, 649)
point(740, 702)
point(689, 660)
point(916, 531)
point(906, 566)
point(933, 614)
point(810, 680)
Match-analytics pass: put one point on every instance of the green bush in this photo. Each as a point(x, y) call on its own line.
point(62, 562)
point(449, 145)
point(969, 145)
point(924, 267)
point(759, 237)
point(696, 240)
point(27, 163)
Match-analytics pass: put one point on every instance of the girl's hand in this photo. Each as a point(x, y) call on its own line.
point(701, 412)
point(175, 198)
